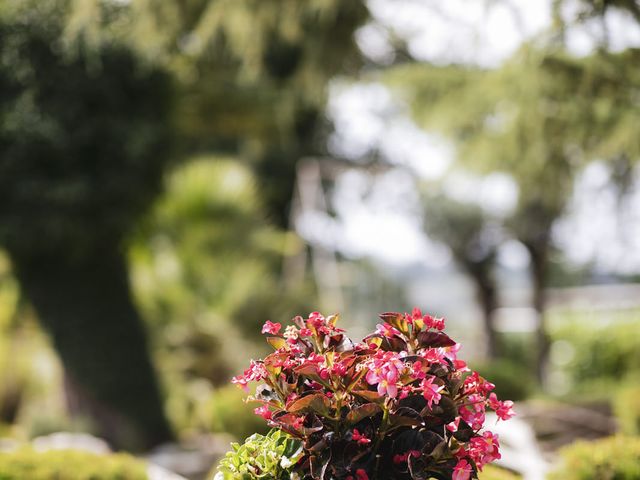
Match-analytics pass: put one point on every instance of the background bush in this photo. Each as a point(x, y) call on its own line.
point(491, 472)
point(600, 352)
point(27, 464)
point(608, 459)
point(229, 413)
point(627, 409)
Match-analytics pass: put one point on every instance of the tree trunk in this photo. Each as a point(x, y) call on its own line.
point(85, 305)
point(539, 254)
point(486, 292)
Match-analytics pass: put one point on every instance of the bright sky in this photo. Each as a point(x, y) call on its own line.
point(379, 216)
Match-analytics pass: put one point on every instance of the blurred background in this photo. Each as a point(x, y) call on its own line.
point(173, 173)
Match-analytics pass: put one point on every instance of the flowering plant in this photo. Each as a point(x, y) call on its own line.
point(399, 405)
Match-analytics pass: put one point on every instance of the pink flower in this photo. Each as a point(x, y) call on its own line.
point(433, 355)
point(254, 373)
point(263, 411)
point(385, 371)
point(462, 471)
point(384, 387)
point(339, 369)
point(418, 370)
point(504, 410)
point(474, 383)
point(271, 328)
point(316, 319)
point(361, 474)
point(476, 402)
point(291, 334)
point(405, 392)
point(433, 322)
point(298, 423)
point(387, 330)
point(485, 449)
point(452, 352)
point(398, 458)
point(474, 417)
point(431, 390)
point(461, 365)
point(360, 438)
point(438, 323)
point(453, 426)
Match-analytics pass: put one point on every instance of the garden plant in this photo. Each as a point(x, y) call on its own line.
point(398, 405)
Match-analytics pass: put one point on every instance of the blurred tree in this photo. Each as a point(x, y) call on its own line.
point(473, 236)
point(85, 136)
point(253, 73)
point(540, 118)
point(566, 13)
point(206, 272)
point(82, 150)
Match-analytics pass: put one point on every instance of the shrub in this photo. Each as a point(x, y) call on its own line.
point(230, 414)
point(495, 473)
point(397, 406)
point(601, 352)
point(614, 458)
point(26, 464)
point(627, 409)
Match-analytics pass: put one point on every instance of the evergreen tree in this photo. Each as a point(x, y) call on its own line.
point(97, 98)
point(82, 150)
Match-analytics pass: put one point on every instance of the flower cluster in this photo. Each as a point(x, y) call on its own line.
point(398, 405)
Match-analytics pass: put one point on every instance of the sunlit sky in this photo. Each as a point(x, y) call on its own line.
point(379, 216)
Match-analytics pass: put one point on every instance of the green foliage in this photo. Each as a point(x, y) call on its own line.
point(83, 141)
point(69, 465)
point(600, 352)
point(611, 458)
point(496, 473)
point(229, 413)
point(260, 457)
point(206, 268)
point(208, 254)
point(278, 73)
point(511, 380)
point(517, 349)
point(626, 406)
